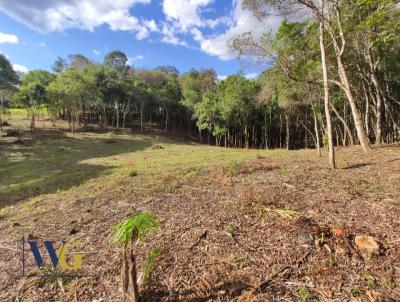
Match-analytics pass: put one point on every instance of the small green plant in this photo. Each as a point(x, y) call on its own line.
point(243, 260)
point(145, 224)
point(282, 171)
point(356, 290)
point(133, 173)
point(231, 228)
point(54, 274)
point(369, 279)
point(233, 167)
point(149, 263)
point(387, 283)
point(304, 294)
point(285, 213)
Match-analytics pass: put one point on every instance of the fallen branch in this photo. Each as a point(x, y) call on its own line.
point(203, 236)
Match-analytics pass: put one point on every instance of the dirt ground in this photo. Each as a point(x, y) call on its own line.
point(279, 227)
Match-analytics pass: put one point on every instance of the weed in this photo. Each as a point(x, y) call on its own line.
point(243, 260)
point(149, 263)
point(304, 294)
point(356, 290)
point(233, 167)
point(133, 173)
point(387, 283)
point(282, 171)
point(369, 279)
point(231, 228)
point(285, 213)
point(145, 224)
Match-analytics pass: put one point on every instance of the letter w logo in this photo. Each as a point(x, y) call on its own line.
point(57, 257)
point(38, 256)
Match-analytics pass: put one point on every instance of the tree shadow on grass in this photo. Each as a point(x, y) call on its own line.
point(51, 161)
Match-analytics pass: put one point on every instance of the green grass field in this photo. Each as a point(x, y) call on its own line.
point(53, 162)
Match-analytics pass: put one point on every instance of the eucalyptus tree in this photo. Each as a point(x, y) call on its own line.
point(33, 93)
point(8, 83)
point(76, 61)
point(59, 65)
point(317, 10)
point(75, 89)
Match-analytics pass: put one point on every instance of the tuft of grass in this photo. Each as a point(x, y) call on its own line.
point(356, 290)
point(133, 173)
point(304, 294)
point(233, 167)
point(145, 224)
point(282, 171)
point(152, 256)
point(285, 213)
point(243, 260)
point(231, 228)
point(369, 279)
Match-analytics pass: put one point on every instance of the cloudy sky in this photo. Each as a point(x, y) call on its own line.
point(182, 33)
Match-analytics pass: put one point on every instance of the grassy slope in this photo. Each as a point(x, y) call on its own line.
point(54, 164)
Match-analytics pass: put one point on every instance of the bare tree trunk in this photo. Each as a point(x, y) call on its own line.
point(318, 143)
point(287, 131)
point(345, 125)
point(345, 83)
point(379, 100)
point(141, 118)
point(130, 286)
point(332, 160)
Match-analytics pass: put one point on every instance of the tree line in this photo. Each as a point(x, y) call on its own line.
point(334, 80)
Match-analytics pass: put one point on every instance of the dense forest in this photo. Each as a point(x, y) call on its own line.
point(334, 80)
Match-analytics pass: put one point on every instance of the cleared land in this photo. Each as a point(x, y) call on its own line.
point(236, 225)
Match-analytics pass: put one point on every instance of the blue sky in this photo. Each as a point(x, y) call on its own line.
point(183, 33)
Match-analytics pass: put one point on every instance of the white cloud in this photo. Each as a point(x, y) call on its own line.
point(222, 77)
point(183, 16)
point(7, 38)
point(49, 15)
point(186, 16)
point(242, 21)
point(151, 25)
point(134, 59)
point(185, 13)
point(251, 76)
point(42, 44)
point(170, 37)
point(96, 52)
point(20, 68)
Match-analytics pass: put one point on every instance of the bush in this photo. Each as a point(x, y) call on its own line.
point(133, 173)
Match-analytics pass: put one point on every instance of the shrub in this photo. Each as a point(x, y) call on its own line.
point(133, 173)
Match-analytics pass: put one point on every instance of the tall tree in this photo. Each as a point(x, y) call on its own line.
point(33, 92)
point(8, 82)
